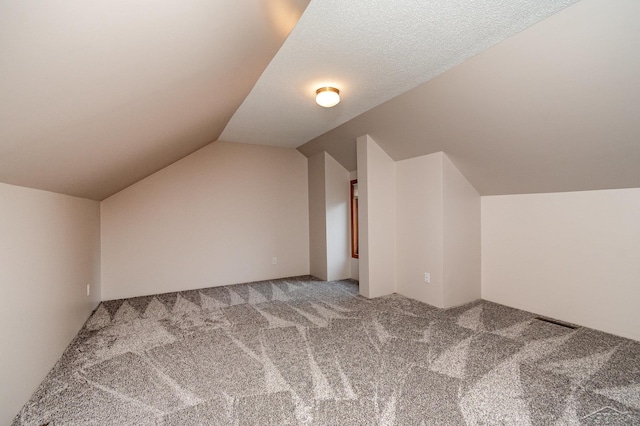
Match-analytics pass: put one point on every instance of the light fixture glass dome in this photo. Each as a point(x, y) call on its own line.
point(327, 96)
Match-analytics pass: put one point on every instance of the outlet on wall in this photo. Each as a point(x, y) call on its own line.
point(274, 260)
point(88, 289)
point(427, 277)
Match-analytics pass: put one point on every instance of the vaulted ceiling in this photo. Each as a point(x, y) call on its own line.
point(525, 96)
point(98, 94)
point(554, 108)
point(372, 51)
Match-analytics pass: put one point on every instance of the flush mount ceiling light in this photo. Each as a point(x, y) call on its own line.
point(327, 96)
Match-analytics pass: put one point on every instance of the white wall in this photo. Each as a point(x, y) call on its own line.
point(571, 256)
point(49, 252)
point(329, 238)
point(420, 234)
point(376, 218)
point(461, 242)
point(338, 196)
point(424, 217)
point(317, 217)
point(213, 218)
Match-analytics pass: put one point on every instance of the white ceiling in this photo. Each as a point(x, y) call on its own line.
point(372, 51)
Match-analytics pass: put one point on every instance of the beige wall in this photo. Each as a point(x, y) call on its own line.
point(424, 217)
point(438, 231)
point(461, 242)
point(376, 218)
point(50, 251)
point(419, 228)
point(337, 213)
point(317, 217)
point(329, 250)
point(571, 256)
point(363, 214)
point(216, 217)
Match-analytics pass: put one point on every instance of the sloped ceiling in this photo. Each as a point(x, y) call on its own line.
point(371, 51)
point(554, 108)
point(96, 95)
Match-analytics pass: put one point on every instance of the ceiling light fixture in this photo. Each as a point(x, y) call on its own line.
point(327, 96)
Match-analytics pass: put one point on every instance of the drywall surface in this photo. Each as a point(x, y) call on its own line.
point(376, 218)
point(338, 196)
point(329, 196)
point(97, 95)
point(49, 252)
point(317, 217)
point(419, 241)
point(461, 241)
point(216, 217)
point(571, 256)
point(553, 108)
point(355, 268)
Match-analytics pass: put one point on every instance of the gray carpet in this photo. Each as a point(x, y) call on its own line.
point(303, 351)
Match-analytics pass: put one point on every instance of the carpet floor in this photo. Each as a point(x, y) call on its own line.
point(300, 351)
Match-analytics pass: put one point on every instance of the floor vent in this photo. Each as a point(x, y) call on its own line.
point(561, 324)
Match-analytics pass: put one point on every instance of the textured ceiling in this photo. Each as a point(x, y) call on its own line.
point(554, 108)
point(372, 51)
point(96, 95)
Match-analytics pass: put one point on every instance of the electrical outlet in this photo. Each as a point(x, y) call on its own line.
point(88, 289)
point(274, 260)
point(427, 277)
